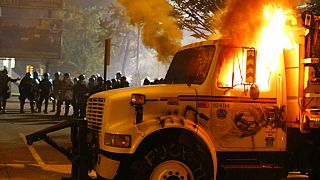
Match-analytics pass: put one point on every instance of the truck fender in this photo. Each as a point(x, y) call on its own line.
point(148, 134)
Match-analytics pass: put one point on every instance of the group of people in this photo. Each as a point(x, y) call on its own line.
point(64, 90)
point(61, 90)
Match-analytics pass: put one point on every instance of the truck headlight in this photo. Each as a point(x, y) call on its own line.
point(117, 140)
point(137, 99)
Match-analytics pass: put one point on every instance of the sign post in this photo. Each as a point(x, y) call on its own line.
point(107, 48)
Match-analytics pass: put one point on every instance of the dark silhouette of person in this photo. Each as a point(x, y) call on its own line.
point(55, 90)
point(123, 82)
point(65, 94)
point(91, 84)
point(146, 81)
point(26, 90)
point(99, 87)
point(81, 94)
point(45, 89)
point(36, 82)
point(5, 88)
point(114, 84)
point(108, 85)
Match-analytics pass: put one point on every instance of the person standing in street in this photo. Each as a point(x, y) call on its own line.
point(55, 90)
point(26, 90)
point(81, 94)
point(36, 82)
point(5, 88)
point(99, 87)
point(45, 89)
point(65, 94)
point(91, 84)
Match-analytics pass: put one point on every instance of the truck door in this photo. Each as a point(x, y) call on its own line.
point(241, 111)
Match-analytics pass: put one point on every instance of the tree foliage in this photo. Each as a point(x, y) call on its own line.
point(84, 32)
point(313, 6)
point(197, 16)
point(80, 50)
point(124, 36)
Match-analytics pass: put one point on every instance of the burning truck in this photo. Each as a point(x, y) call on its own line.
point(226, 111)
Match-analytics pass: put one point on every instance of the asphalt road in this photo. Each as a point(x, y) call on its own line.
point(19, 161)
point(40, 161)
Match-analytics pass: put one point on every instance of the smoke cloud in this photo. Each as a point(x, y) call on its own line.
point(159, 30)
point(241, 20)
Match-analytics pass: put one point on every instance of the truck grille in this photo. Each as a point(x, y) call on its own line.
point(95, 108)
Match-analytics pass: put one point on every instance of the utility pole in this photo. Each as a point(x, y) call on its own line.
point(138, 49)
point(107, 47)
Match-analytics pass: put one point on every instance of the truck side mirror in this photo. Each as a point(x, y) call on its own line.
point(254, 92)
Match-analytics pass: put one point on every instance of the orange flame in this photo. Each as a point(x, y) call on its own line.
point(270, 37)
point(275, 36)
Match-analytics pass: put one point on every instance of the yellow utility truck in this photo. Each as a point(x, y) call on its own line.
point(223, 112)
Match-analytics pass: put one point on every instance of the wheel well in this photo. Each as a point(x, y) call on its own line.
point(175, 135)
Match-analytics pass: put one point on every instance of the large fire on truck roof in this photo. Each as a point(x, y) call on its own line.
point(268, 26)
point(275, 36)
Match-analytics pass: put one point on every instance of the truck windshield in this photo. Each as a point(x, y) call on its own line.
point(190, 66)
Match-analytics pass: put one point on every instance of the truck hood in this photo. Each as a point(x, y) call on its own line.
point(150, 91)
point(117, 112)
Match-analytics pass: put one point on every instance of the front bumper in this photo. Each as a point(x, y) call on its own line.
point(106, 167)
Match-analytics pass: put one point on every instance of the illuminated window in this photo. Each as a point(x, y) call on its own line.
point(29, 69)
point(41, 70)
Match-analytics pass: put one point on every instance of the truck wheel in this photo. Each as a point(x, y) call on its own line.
point(170, 162)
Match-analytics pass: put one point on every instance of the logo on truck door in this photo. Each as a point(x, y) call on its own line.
point(221, 114)
point(247, 123)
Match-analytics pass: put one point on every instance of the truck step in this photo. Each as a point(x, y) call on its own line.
point(250, 172)
point(241, 161)
point(246, 166)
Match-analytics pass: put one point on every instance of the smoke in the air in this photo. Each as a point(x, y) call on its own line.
point(241, 20)
point(159, 30)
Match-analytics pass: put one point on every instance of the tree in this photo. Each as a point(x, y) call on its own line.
point(123, 35)
point(197, 16)
point(80, 52)
point(313, 6)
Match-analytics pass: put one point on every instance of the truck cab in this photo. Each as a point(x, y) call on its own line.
point(220, 110)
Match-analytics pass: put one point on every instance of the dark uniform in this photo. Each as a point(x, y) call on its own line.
point(91, 84)
point(5, 88)
point(81, 94)
point(55, 92)
point(26, 89)
point(65, 94)
point(100, 86)
point(36, 82)
point(45, 89)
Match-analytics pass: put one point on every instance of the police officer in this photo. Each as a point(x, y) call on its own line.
point(65, 94)
point(55, 90)
point(100, 86)
point(91, 84)
point(5, 88)
point(26, 89)
point(45, 89)
point(81, 94)
point(36, 82)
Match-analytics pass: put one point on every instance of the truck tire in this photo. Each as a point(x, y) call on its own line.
point(171, 161)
